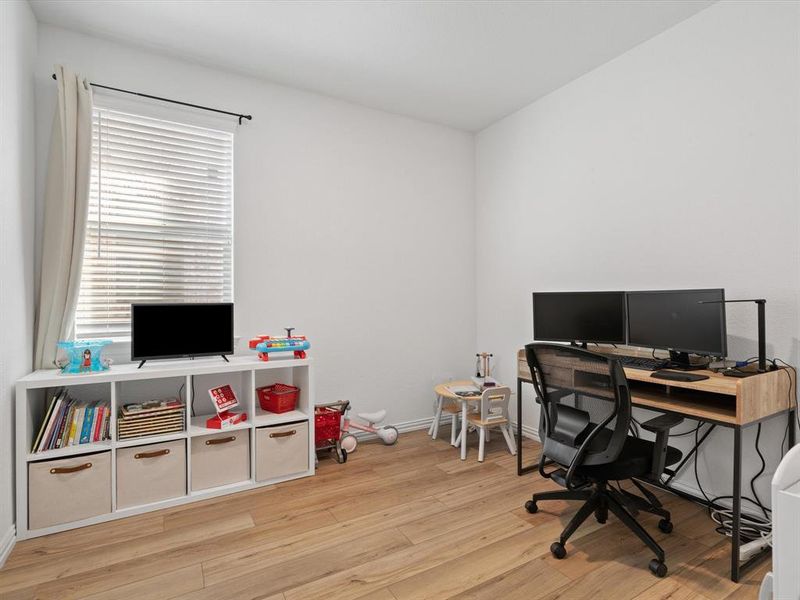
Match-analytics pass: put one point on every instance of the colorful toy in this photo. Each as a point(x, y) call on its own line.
point(265, 344)
point(387, 434)
point(84, 356)
point(224, 399)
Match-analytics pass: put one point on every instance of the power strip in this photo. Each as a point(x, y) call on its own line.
point(750, 549)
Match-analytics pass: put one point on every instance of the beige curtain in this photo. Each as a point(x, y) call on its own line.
point(66, 203)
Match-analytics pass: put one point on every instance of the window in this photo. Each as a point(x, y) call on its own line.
point(160, 225)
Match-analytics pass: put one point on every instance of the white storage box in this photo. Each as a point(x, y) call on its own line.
point(150, 473)
point(69, 489)
point(220, 459)
point(281, 450)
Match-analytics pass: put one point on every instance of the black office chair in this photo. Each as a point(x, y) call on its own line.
point(584, 420)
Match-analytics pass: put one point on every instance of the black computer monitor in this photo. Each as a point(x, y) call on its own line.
point(579, 317)
point(682, 321)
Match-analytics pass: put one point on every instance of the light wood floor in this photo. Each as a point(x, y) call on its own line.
point(406, 522)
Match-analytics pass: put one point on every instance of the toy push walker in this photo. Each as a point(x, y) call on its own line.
point(328, 428)
point(265, 344)
point(332, 428)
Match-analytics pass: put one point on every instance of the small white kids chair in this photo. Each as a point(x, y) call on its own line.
point(451, 407)
point(493, 413)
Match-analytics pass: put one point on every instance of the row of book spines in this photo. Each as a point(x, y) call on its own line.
point(72, 422)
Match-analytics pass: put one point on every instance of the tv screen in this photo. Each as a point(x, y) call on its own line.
point(579, 317)
point(181, 330)
point(676, 320)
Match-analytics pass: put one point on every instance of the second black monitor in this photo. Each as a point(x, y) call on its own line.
point(690, 321)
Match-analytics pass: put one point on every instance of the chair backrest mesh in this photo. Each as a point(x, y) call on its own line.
point(585, 403)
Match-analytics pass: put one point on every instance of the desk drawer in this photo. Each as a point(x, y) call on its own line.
point(69, 489)
point(281, 450)
point(523, 371)
point(220, 459)
point(151, 473)
point(553, 376)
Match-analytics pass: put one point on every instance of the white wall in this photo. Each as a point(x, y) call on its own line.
point(373, 213)
point(17, 53)
point(672, 166)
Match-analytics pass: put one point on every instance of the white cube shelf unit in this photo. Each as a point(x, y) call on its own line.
point(124, 384)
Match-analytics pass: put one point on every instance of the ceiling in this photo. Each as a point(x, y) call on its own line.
point(460, 63)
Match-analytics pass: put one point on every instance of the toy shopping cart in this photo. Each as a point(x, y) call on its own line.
point(328, 427)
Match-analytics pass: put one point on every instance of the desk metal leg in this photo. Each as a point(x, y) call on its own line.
point(519, 426)
point(737, 502)
point(791, 427)
point(520, 469)
point(464, 428)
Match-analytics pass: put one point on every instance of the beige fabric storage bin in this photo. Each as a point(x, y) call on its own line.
point(220, 459)
point(281, 450)
point(69, 489)
point(150, 473)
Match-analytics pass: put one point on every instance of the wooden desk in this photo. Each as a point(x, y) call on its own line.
point(730, 402)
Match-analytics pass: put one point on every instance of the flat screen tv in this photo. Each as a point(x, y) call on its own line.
point(181, 330)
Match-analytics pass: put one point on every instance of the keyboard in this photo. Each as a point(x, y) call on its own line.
point(678, 376)
point(640, 362)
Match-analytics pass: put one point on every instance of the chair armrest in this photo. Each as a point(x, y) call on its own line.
point(662, 423)
point(660, 426)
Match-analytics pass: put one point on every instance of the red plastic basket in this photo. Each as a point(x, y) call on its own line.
point(327, 425)
point(278, 398)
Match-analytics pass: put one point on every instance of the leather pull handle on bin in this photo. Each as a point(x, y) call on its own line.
point(153, 454)
point(216, 441)
point(281, 434)
point(63, 470)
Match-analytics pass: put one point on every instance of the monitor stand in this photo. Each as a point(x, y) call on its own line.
point(682, 362)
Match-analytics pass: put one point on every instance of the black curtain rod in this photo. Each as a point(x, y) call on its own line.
point(216, 110)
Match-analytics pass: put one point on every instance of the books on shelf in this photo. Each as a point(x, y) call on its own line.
point(71, 422)
point(155, 417)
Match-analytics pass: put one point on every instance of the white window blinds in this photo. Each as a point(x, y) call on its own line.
point(160, 219)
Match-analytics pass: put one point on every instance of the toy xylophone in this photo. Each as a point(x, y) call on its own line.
point(265, 344)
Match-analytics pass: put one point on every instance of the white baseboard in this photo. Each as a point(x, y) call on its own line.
point(402, 427)
point(7, 544)
point(684, 487)
point(417, 424)
point(529, 432)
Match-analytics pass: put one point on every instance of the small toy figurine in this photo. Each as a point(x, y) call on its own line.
point(264, 344)
point(87, 360)
point(84, 356)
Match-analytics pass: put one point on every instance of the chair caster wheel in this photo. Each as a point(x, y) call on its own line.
point(558, 551)
point(531, 507)
point(665, 526)
point(602, 521)
point(658, 568)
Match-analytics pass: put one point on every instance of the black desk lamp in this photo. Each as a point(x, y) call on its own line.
point(762, 326)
